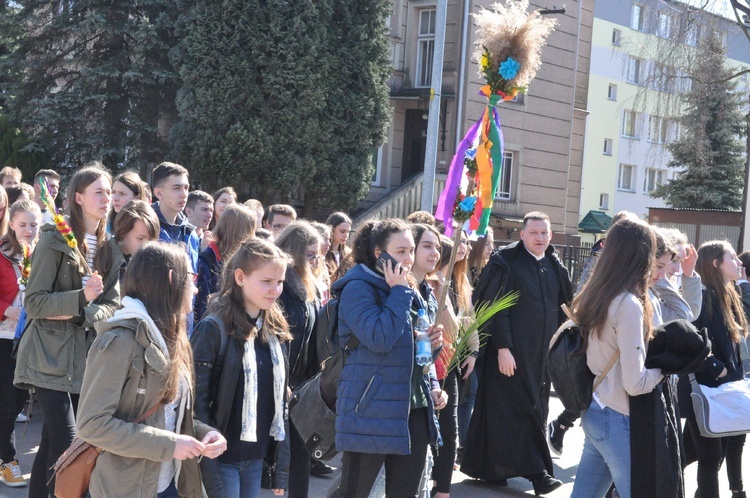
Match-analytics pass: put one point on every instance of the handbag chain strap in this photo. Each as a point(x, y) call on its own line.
point(606, 370)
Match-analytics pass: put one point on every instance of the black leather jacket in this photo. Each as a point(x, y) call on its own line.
point(215, 381)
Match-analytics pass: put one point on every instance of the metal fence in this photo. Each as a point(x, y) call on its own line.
point(573, 257)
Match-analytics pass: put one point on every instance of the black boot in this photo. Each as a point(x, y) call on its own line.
point(545, 484)
point(738, 494)
point(319, 469)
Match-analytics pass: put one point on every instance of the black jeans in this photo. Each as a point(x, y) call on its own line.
point(58, 431)
point(442, 471)
point(12, 400)
point(299, 465)
point(711, 452)
point(402, 472)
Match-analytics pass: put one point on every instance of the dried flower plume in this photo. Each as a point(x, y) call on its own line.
point(509, 45)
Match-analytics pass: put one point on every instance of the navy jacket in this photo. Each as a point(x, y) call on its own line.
point(209, 278)
point(374, 390)
point(181, 231)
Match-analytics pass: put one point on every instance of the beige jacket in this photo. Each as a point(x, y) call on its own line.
point(623, 331)
point(125, 376)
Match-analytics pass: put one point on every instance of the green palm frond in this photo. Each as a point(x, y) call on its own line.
point(479, 317)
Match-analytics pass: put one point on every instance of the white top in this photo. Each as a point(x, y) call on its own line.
point(91, 242)
point(167, 471)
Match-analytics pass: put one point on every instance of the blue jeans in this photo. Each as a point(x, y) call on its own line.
point(242, 479)
point(466, 397)
point(606, 453)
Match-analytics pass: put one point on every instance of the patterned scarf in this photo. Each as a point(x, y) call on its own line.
point(250, 397)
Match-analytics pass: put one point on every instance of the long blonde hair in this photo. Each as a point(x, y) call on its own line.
point(294, 241)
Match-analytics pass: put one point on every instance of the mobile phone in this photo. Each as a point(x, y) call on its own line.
point(384, 256)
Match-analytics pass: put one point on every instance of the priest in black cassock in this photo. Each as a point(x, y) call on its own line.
point(507, 430)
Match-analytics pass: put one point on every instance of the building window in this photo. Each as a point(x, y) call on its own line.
point(505, 187)
point(629, 124)
point(520, 98)
point(604, 201)
point(607, 146)
point(692, 34)
point(636, 17)
point(634, 70)
point(657, 129)
point(653, 179)
point(664, 29)
point(626, 178)
point(612, 92)
point(377, 162)
point(616, 37)
point(425, 47)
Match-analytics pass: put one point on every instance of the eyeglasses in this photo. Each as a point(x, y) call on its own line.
point(464, 242)
point(312, 257)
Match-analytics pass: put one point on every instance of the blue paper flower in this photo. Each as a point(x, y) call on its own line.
point(467, 205)
point(509, 68)
point(471, 154)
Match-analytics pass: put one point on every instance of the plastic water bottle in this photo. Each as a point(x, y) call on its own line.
point(422, 340)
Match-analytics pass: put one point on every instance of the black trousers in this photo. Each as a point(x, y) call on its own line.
point(568, 419)
point(299, 465)
point(58, 431)
point(710, 453)
point(402, 472)
point(12, 400)
point(445, 456)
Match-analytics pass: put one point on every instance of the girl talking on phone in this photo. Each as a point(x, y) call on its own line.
point(385, 407)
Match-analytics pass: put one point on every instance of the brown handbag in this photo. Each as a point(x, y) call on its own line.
point(72, 471)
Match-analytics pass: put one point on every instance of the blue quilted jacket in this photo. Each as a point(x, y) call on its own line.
point(374, 390)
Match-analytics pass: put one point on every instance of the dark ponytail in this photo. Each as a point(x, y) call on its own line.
point(375, 234)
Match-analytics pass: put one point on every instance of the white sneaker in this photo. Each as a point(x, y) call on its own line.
point(11, 475)
point(21, 418)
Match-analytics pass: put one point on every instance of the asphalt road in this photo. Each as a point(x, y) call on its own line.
point(27, 440)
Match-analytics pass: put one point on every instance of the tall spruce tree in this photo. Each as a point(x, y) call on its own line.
point(358, 109)
point(281, 95)
point(91, 79)
point(709, 147)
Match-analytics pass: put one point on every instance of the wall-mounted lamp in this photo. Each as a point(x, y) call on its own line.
point(509, 232)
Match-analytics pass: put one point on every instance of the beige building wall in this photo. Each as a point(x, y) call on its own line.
point(545, 131)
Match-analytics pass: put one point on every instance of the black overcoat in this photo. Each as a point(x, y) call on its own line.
point(507, 430)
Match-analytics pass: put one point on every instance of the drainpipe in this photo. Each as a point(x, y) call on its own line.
point(462, 83)
point(433, 121)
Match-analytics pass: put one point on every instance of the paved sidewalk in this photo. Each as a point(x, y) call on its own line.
point(464, 487)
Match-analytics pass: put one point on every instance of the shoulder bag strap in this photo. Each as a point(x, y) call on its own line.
point(609, 366)
point(150, 412)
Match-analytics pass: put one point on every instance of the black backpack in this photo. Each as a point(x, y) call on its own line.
point(571, 377)
point(329, 346)
point(568, 371)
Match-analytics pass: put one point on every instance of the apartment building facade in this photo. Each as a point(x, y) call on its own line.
point(632, 95)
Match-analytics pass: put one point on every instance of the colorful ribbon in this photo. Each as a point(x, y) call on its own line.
point(486, 137)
